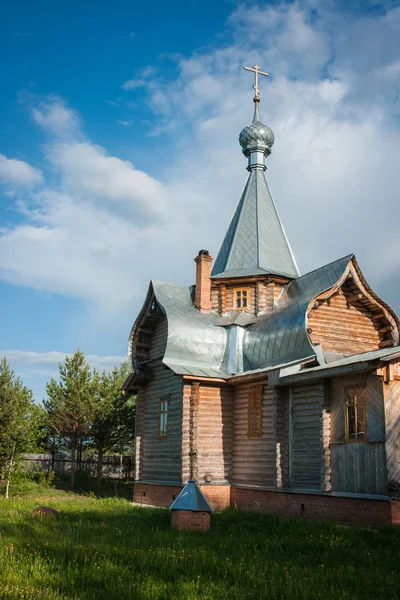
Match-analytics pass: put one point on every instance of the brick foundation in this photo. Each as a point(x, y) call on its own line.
point(190, 520)
point(154, 494)
point(343, 509)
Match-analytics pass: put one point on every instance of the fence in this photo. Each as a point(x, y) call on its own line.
point(113, 467)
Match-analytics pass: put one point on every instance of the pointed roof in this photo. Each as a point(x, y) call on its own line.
point(191, 498)
point(255, 243)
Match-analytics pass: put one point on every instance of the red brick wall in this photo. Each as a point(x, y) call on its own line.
point(219, 496)
point(190, 520)
point(342, 509)
point(156, 495)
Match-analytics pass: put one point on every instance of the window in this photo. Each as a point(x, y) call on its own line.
point(241, 298)
point(163, 419)
point(254, 427)
point(355, 414)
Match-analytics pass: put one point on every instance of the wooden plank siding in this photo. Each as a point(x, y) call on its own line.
point(358, 467)
point(392, 442)
point(342, 327)
point(255, 459)
point(161, 458)
point(306, 462)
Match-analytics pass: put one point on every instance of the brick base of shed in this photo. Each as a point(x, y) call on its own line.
point(218, 496)
point(190, 520)
point(343, 509)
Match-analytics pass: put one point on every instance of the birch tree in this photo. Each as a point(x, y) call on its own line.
point(19, 421)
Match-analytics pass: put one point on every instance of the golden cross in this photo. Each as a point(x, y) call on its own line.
point(257, 72)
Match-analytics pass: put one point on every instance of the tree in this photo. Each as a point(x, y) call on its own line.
point(70, 402)
point(19, 421)
point(113, 415)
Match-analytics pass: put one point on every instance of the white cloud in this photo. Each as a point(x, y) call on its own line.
point(18, 173)
point(109, 227)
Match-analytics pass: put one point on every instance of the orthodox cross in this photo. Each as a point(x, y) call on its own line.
point(257, 72)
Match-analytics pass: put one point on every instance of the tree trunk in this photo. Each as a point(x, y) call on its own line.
point(73, 461)
point(120, 467)
point(99, 466)
point(9, 477)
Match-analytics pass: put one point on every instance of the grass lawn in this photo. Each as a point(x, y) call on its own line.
point(106, 549)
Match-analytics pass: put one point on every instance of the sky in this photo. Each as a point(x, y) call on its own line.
point(119, 154)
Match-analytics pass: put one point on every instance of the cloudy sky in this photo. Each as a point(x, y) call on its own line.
point(119, 157)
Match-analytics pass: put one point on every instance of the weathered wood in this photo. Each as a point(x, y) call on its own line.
point(386, 343)
point(255, 458)
point(392, 441)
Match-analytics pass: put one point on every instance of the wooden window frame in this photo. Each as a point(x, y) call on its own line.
point(163, 434)
point(241, 290)
point(254, 406)
point(347, 437)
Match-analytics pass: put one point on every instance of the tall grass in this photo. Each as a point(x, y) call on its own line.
point(110, 550)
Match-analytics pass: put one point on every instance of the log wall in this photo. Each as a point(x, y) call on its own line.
point(207, 432)
point(161, 458)
point(262, 295)
point(342, 327)
point(255, 459)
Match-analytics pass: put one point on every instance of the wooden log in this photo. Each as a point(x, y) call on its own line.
point(377, 316)
point(385, 329)
point(386, 343)
point(355, 298)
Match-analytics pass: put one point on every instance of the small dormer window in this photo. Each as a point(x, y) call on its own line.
point(241, 298)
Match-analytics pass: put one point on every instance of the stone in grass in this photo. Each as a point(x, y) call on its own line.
point(44, 511)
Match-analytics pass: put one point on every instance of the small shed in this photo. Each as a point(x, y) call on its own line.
point(190, 510)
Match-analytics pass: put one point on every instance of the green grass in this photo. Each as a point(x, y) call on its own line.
point(106, 549)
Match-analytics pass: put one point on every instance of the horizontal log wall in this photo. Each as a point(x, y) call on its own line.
point(255, 459)
point(306, 436)
point(342, 327)
point(161, 458)
point(215, 432)
point(392, 413)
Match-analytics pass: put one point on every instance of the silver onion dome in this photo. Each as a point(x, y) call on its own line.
point(256, 140)
point(256, 133)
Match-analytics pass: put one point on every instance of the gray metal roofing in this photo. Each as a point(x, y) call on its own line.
point(191, 498)
point(198, 343)
point(255, 242)
point(195, 345)
point(280, 335)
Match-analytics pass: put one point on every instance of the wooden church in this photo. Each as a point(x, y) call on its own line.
point(274, 391)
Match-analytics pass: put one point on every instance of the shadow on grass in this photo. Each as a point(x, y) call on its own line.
point(110, 549)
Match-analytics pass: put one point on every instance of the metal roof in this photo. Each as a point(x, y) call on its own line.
point(195, 344)
point(255, 242)
point(280, 335)
point(191, 498)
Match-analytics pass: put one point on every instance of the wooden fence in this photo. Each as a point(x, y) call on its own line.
point(113, 467)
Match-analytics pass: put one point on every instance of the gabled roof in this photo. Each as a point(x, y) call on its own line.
point(255, 243)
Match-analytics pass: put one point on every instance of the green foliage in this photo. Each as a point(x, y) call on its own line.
point(19, 420)
point(44, 478)
point(102, 549)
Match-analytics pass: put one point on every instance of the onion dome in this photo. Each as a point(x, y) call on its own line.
point(256, 140)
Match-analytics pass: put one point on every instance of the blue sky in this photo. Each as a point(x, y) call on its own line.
point(119, 156)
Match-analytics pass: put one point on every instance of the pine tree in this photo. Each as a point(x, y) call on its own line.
point(70, 402)
point(19, 421)
point(113, 415)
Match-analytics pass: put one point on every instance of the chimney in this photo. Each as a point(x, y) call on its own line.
point(202, 299)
